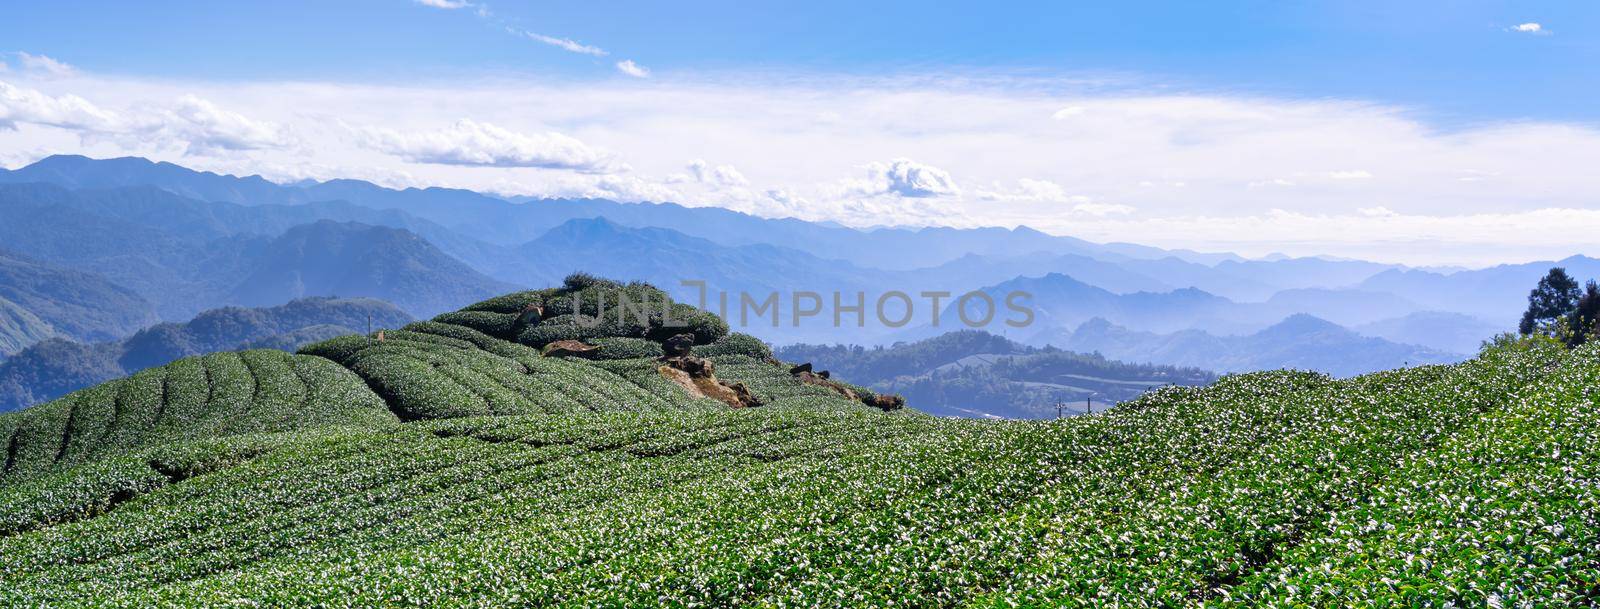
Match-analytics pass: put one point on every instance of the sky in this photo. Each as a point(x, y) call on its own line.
point(1421, 132)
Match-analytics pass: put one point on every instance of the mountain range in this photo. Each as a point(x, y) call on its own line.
point(185, 241)
point(1300, 341)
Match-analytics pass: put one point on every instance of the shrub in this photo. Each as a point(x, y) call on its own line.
point(704, 325)
point(736, 343)
point(340, 349)
point(503, 325)
point(414, 389)
point(583, 281)
point(622, 347)
point(568, 327)
point(511, 303)
point(502, 348)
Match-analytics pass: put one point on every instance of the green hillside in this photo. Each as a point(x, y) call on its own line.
point(453, 463)
point(19, 328)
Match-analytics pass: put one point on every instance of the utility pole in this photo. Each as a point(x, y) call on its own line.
point(1088, 401)
point(1059, 407)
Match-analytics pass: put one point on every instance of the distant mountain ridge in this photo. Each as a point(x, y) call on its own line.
point(55, 367)
point(491, 219)
point(1497, 294)
point(1299, 341)
point(162, 229)
point(185, 256)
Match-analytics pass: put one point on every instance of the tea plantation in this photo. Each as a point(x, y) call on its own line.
point(452, 463)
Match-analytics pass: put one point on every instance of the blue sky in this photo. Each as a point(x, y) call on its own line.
point(1428, 133)
point(1455, 60)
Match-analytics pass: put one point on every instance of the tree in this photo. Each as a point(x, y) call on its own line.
point(1584, 320)
point(1550, 303)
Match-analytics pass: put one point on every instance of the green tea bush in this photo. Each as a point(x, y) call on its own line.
point(581, 328)
point(138, 404)
point(736, 343)
point(340, 349)
point(77, 494)
point(706, 327)
point(522, 480)
point(621, 347)
point(92, 420)
point(185, 392)
point(503, 325)
point(413, 388)
point(496, 346)
point(512, 303)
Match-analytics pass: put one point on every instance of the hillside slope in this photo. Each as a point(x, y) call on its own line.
point(374, 261)
point(52, 368)
point(528, 480)
point(69, 303)
point(19, 328)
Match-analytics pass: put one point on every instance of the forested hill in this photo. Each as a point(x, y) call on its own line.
point(534, 450)
point(974, 373)
point(52, 368)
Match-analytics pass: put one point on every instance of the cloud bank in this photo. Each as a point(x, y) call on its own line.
point(1243, 173)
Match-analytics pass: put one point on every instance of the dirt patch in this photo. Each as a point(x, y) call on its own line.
point(697, 377)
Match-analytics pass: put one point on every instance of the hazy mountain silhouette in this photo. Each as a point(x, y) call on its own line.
point(1299, 341)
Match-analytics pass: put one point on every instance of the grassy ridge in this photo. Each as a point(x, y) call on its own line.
point(529, 480)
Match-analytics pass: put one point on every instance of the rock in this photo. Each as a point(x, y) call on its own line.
point(823, 374)
point(678, 346)
point(815, 379)
point(746, 397)
point(699, 381)
point(887, 402)
point(806, 367)
point(569, 348)
point(697, 367)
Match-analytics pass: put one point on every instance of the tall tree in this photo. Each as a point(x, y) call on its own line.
point(1555, 297)
point(1584, 321)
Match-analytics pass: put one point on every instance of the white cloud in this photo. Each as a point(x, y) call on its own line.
point(1377, 212)
point(44, 65)
point(1529, 28)
point(1234, 155)
point(445, 4)
point(1353, 174)
point(1273, 182)
point(471, 143)
point(905, 178)
point(627, 66)
point(19, 105)
point(204, 128)
point(719, 175)
point(1067, 112)
point(1101, 210)
point(565, 44)
point(191, 123)
point(1026, 189)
